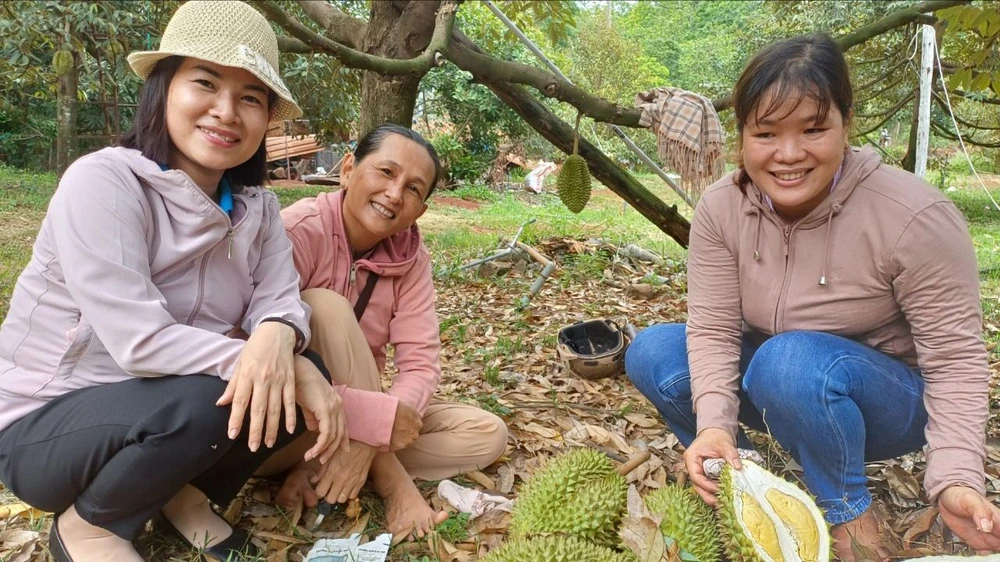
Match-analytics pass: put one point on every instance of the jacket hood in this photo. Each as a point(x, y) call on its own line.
point(392, 257)
point(172, 185)
point(858, 164)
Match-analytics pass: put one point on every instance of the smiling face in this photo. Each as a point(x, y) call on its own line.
point(216, 117)
point(792, 154)
point(385, 192)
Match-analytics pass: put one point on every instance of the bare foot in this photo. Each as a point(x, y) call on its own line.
point(860, 540)
point(406, 512)
point(85, 542)
point(190, 513)
point(297, 489)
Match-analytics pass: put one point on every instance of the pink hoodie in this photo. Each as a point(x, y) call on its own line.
point(400, 312)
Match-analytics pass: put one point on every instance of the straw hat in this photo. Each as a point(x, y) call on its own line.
point(224, 32)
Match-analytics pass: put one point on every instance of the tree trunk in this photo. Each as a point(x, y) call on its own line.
point(560, 134)
point(66, 139)
point(387, 99)
point(910, 159)
point(398, 30)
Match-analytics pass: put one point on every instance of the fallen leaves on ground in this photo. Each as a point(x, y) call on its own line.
point(502, 357)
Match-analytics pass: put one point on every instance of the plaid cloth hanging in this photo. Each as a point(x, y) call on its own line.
point(689, 136)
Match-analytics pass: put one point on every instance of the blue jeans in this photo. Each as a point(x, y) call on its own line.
point(833, 403)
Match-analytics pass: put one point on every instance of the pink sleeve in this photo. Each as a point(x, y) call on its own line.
point(413, 331)
point(303, 240)
point(715, 322)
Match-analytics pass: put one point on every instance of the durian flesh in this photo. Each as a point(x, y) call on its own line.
point(768, 519)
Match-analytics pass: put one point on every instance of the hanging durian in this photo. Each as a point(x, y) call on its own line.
point(576, 494)
point(687, 519)
point(763, 518)
point(555, 549)
point(62, 61)
point(573, 182)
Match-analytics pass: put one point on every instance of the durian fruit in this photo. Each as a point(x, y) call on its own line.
point(764, 518)
point(573, 183)
point(555, 549)
point(62, 61)
point(687, 519)
point(577, 494)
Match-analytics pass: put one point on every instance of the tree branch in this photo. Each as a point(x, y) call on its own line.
point(890, 112)
point(941, 102)
point(896, 19)
point(951, 136)
point(885, 116)
point(547, 83)
point(336, 24)
point(965, 95)
point(356, 59)
point(288, 44)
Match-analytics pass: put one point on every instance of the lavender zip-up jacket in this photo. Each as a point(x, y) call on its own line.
point(136, 272)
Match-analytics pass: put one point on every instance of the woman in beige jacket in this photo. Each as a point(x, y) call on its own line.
point(832, 301)
point(122, 395)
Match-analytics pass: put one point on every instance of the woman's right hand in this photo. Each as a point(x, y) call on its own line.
point(322, 409)
point(711, 443)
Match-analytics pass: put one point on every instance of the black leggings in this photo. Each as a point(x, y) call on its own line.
point(120, 451)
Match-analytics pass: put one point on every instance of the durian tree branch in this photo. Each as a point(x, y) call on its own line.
point(443, 26)
point(336, 24)
point(560, 134)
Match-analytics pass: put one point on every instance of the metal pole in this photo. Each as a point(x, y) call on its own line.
point(924, 114)
point(555, 70)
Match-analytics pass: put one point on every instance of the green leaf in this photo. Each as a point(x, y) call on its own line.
point(980, 82)
point(996, 86)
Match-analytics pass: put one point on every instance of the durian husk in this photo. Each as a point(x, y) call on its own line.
point(573, 183)
point(555, 549)
point(747, 500)
point(687, 519)
point(62, 61)
point(577, 494)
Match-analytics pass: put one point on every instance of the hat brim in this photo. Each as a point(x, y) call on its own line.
point(142, 63)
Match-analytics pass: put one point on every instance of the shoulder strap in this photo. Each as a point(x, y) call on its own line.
point(364, 295)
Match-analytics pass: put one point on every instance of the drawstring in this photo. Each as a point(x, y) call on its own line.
point(826, 246)
point(756, 240)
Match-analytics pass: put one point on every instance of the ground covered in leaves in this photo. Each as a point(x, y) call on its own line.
point(500, 354)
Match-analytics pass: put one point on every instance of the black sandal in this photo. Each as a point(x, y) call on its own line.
point(235, 547)
point(56, 547)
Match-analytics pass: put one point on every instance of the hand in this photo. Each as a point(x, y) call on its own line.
point(405, 427)
point(321, 408)
point(711, 443)
point(972, 517)
point(264, 381)
point(342, 477)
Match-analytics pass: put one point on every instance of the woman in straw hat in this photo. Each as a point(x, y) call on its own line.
point(122, 395)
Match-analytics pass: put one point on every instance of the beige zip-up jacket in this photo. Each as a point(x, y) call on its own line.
point(136, 272)
point(899, 275)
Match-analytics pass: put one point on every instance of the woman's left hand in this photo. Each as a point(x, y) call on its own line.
point(264, 382)
point(972, 517)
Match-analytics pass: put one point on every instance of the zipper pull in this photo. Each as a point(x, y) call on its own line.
point(788, 232)
point(229, 254)
point(354, 273)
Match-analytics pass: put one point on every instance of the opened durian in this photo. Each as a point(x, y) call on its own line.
point(687, 519)
point(763, 518)
point(573, 183)
point(577, 494)
point(555, 549)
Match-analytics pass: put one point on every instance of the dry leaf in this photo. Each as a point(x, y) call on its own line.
point(922, 524)
point(20, 509)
